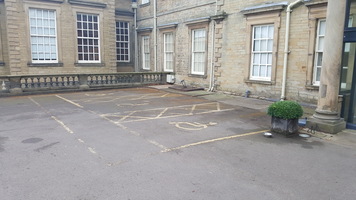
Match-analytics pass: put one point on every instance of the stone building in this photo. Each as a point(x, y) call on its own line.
point(65, 36)
point(222, 45)
point(269, 49)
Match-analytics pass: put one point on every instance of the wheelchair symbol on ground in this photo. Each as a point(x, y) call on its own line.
point(192, 126)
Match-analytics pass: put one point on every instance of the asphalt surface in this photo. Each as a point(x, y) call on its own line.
point(153, 143)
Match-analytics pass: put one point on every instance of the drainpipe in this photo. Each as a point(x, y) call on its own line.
point(286, 48)
point(155, 33)
point(212, 74)
point(134, 7)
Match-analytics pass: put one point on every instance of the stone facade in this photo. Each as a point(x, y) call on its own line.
point(16, 45)
point(229, 25)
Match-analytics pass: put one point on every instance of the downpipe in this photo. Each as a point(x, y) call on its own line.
point(286, 48)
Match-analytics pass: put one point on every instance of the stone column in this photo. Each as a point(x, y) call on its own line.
point(326, 117)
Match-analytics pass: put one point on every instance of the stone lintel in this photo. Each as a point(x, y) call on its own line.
point(316, 3)
point(87, 3)
point(266, 7)
point(119, 12)
point(191, 22)
point(145, 29)
point(327, 126)
point(168, 26)
point(49, 1)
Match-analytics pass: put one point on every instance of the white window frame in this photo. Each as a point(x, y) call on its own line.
point(42, 39)
point(145, 1)
point(195, 53)
point(122, 41)
point(168, 56)
point(146, 52)
point(83, 38)
point(263, 57)
point(318, 53)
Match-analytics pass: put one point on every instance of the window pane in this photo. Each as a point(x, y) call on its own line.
point(168, 51)
point(263, 45)
point(263, 70)
point(269, 71)
point(270, 45)
point(318, 73)
point(257, 32)
point(270, 32)
point(264, 31)
point(43, 39)
point(261, 65)
point(319, 59)
point(322, 27)
point(255, 70)
point(256, 58)
point(256, 45)
point(198, 51)
point(88, 38)
point(321, 44)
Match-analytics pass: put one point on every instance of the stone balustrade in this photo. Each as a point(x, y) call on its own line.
point(12, 85)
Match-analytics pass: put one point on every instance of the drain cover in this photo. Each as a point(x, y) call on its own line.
point(304, 135)
point(266, 134)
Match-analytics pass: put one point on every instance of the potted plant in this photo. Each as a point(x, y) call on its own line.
point(285, 115)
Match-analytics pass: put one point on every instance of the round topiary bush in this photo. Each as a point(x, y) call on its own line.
point(285, 110)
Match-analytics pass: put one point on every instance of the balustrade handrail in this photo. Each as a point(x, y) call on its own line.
point(53, 75)
point(29, 83)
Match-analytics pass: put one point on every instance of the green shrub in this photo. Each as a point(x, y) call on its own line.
point(285, 110)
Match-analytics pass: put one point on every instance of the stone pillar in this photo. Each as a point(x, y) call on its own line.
point(326, 117)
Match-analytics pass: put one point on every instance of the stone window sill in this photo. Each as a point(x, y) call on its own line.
point(145, 4)
point(312, 87)
point(197, 76)
point(89, 64)
point(45, 64)
point(260, 82)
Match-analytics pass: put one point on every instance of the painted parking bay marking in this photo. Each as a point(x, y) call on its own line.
point(212, 140)
point(192, 126)
point(160, 113)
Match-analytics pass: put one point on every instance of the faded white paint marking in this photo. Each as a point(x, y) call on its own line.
point(132, 104)
point(92, 150)
point(80, 140)
point(160, 114)
point(192, 110)
point(35, 102)
point(69, 101)
point(62, 124)
point(157, 144)
point(213, 140)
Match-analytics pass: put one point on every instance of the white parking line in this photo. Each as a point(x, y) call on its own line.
point(62, 124)
point(69, 101)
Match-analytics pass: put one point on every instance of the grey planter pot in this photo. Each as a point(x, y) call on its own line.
point(286, 127)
